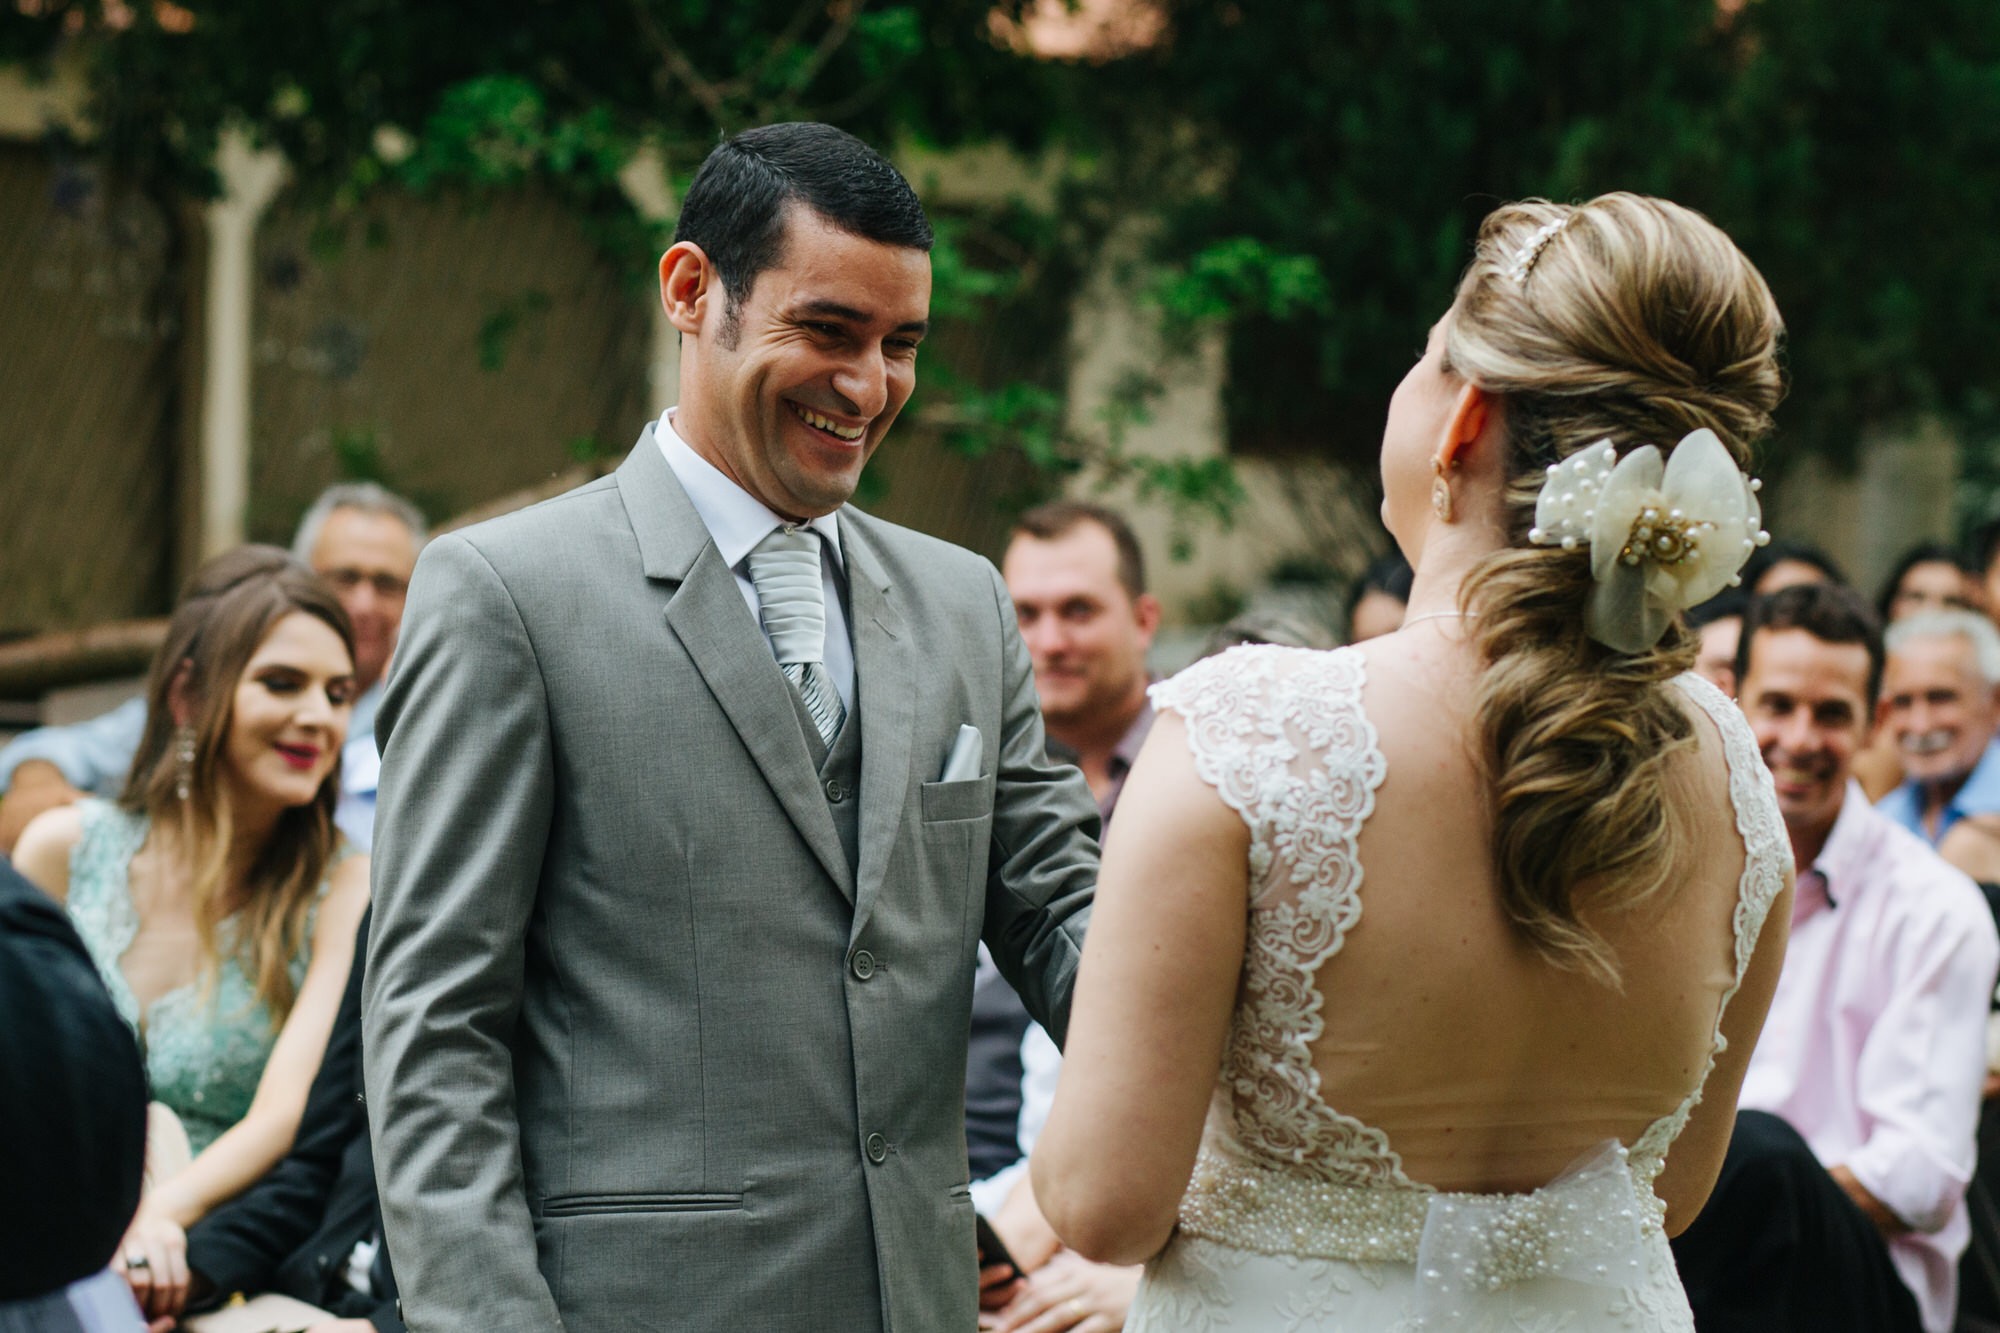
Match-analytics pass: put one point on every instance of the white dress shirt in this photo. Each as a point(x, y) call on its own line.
point(737, 520)
point(1041, 1064)
point(1875, 1046)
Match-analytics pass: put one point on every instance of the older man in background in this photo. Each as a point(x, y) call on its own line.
point(357, 536)
point(1940, 709)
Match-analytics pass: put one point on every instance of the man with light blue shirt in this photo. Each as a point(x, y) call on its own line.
point(1940, 708)
point(357, 536)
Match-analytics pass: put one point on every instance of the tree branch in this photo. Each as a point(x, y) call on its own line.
point(707, 93)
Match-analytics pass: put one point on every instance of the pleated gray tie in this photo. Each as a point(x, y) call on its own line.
point(785, 570)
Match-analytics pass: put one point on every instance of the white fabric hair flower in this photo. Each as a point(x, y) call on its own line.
point(1663, 535)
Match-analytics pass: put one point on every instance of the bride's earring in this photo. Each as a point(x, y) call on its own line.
point(1440, 492)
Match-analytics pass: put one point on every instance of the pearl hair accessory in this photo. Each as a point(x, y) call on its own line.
point(1524, 258)
point(1663, 535)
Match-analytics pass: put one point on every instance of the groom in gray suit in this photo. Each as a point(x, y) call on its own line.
point(699, 791)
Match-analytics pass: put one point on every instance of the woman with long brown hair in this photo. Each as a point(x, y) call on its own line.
point(1411, 961)
point(216, 896)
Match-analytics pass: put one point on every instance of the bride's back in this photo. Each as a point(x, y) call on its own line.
point(1488, 1066)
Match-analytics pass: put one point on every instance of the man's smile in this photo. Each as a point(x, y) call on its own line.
point(827, 425)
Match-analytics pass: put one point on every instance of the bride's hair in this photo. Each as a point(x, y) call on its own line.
point(1639, 321)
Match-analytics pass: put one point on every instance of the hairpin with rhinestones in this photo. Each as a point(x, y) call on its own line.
point(1524, 259)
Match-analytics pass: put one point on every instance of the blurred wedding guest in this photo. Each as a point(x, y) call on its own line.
point(1378, 599)
point(1940, 709)
point(1718, 624)
point(1078, 581)
point(1785, 563)
point(73, 1119)
point(357, 536)
point(1841, 1203)
point(1930, 576)
point(216, 896)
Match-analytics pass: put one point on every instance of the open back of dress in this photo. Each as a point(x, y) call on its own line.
point(1404, 1076)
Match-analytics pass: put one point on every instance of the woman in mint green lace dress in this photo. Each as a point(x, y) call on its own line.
point(215, 895)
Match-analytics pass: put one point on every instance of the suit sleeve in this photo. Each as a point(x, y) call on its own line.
point(466, 794)
point(240, 1246)
point(1043, 868)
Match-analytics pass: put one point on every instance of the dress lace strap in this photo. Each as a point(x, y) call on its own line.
point(1765, 856)
point(100, 894)
point(1283, 738)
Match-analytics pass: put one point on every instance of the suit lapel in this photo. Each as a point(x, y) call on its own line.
point(885, 669)
point(707, 614)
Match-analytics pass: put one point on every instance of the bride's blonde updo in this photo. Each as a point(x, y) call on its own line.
point(1637, 321)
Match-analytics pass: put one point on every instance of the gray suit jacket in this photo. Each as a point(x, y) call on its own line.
point(642, 1050)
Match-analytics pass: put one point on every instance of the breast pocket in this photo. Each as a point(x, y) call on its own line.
point(955, 839)
point(970, 798)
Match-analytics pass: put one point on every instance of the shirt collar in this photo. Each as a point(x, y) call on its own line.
point(735, 519)
point(1980, 793)
point(1848, 845)
point(1127, 749)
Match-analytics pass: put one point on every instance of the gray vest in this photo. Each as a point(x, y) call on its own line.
point(839, 774)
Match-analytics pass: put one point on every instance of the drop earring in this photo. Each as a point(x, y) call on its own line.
point(183, 762)
point(1440, 493)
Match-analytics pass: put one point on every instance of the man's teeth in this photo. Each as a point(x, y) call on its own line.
point(1930, 742)
point(831, 427)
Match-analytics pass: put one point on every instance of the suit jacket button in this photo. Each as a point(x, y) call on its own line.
point(835, 792)
point(878, 1148)
point(863, 964)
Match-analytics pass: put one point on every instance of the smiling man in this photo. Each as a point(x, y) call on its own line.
point(700, 790)
point(1841, 1204)
point(1940, 708)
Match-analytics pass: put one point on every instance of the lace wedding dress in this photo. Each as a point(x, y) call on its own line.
point(1300, 1219)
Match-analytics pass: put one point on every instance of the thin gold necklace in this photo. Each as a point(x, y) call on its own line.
point(1441, 615)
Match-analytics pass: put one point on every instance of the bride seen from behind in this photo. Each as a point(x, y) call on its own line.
point(1410, 960)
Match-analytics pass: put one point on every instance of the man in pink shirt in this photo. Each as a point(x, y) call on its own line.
point(1842, 1202)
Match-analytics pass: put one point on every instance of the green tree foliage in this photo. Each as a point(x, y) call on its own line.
point(1310, 175)
point(1848, 147)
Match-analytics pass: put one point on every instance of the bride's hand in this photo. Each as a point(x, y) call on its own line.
point(1069, 1293)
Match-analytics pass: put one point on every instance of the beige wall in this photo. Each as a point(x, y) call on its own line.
point(87, 382)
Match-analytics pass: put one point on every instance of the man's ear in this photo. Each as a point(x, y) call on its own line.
point(1146, 610)
point(687, 280)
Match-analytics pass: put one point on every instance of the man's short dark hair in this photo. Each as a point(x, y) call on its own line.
point(1760, 562)
point(1830, 612)
point(737, 205)
point(1059, 518)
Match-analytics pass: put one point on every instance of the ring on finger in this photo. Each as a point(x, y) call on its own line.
point(138, 1261)
point(1075, 1308)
